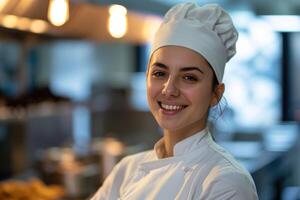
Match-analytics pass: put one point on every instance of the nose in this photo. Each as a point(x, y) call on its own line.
point(170, 89)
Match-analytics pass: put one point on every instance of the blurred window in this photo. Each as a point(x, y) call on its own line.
point(253, 76)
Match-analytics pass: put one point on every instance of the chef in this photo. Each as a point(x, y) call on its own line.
point(184, 81)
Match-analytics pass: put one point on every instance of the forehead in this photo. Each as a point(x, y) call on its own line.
point(178, 57)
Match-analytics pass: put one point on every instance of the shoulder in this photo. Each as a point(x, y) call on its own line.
point(227, 176)
point(232, 178)
point(223, 163)
point(229, 184)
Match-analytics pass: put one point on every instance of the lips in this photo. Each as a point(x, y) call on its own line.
point(168, 108)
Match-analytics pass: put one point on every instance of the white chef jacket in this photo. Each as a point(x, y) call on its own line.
point(199, 169)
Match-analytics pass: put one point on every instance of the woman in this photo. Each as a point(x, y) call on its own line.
point(184, 80)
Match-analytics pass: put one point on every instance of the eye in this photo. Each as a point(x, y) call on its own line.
point(158, 74)
point(190, 78)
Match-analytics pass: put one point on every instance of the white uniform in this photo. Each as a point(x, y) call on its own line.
point(199, 169)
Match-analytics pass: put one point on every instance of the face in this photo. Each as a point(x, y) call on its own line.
point(179, 89)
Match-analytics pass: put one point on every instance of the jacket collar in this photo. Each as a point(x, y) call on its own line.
point(183, 147)
point(188, 151)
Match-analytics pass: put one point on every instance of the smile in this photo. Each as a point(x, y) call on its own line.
point(167, 107)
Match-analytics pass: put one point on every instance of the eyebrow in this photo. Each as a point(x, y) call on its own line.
point(184, 69)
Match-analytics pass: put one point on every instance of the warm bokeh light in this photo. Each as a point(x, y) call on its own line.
point(117, 10)
point(3, 4)
point(38, 26)
point(23, 23)
point(117, 24)
point(113, 147)
point(58, 12)
point(10, 21)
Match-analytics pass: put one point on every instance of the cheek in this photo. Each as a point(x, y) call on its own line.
point(200, 97)
point(152, 91)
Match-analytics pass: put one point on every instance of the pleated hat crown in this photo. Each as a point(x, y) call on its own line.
point(207, 29)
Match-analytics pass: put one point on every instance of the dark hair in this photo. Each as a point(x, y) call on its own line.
point(215, 82)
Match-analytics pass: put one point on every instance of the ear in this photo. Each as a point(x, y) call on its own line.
point(217, 94)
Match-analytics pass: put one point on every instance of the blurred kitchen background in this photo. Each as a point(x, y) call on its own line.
point(73, 96)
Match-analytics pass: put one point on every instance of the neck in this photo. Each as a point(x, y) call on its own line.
point(170, 142)
point(171, 138)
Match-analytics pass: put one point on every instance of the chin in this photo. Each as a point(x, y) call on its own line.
point(169, 126)
point(181, 126)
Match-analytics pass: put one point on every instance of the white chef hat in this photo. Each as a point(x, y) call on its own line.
point(208, 30)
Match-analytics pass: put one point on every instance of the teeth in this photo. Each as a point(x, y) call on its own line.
point(170, 107)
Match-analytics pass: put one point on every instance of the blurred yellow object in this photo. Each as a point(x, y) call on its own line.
point(117, 22)
point(34, 189)
point(10, 21)
point(39, 26)
point(58, 12)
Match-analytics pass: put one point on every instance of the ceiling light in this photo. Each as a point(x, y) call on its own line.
point(38, 26)
point(3, 4)
point(10, 21)
point(117, 24)
point(58, 12)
